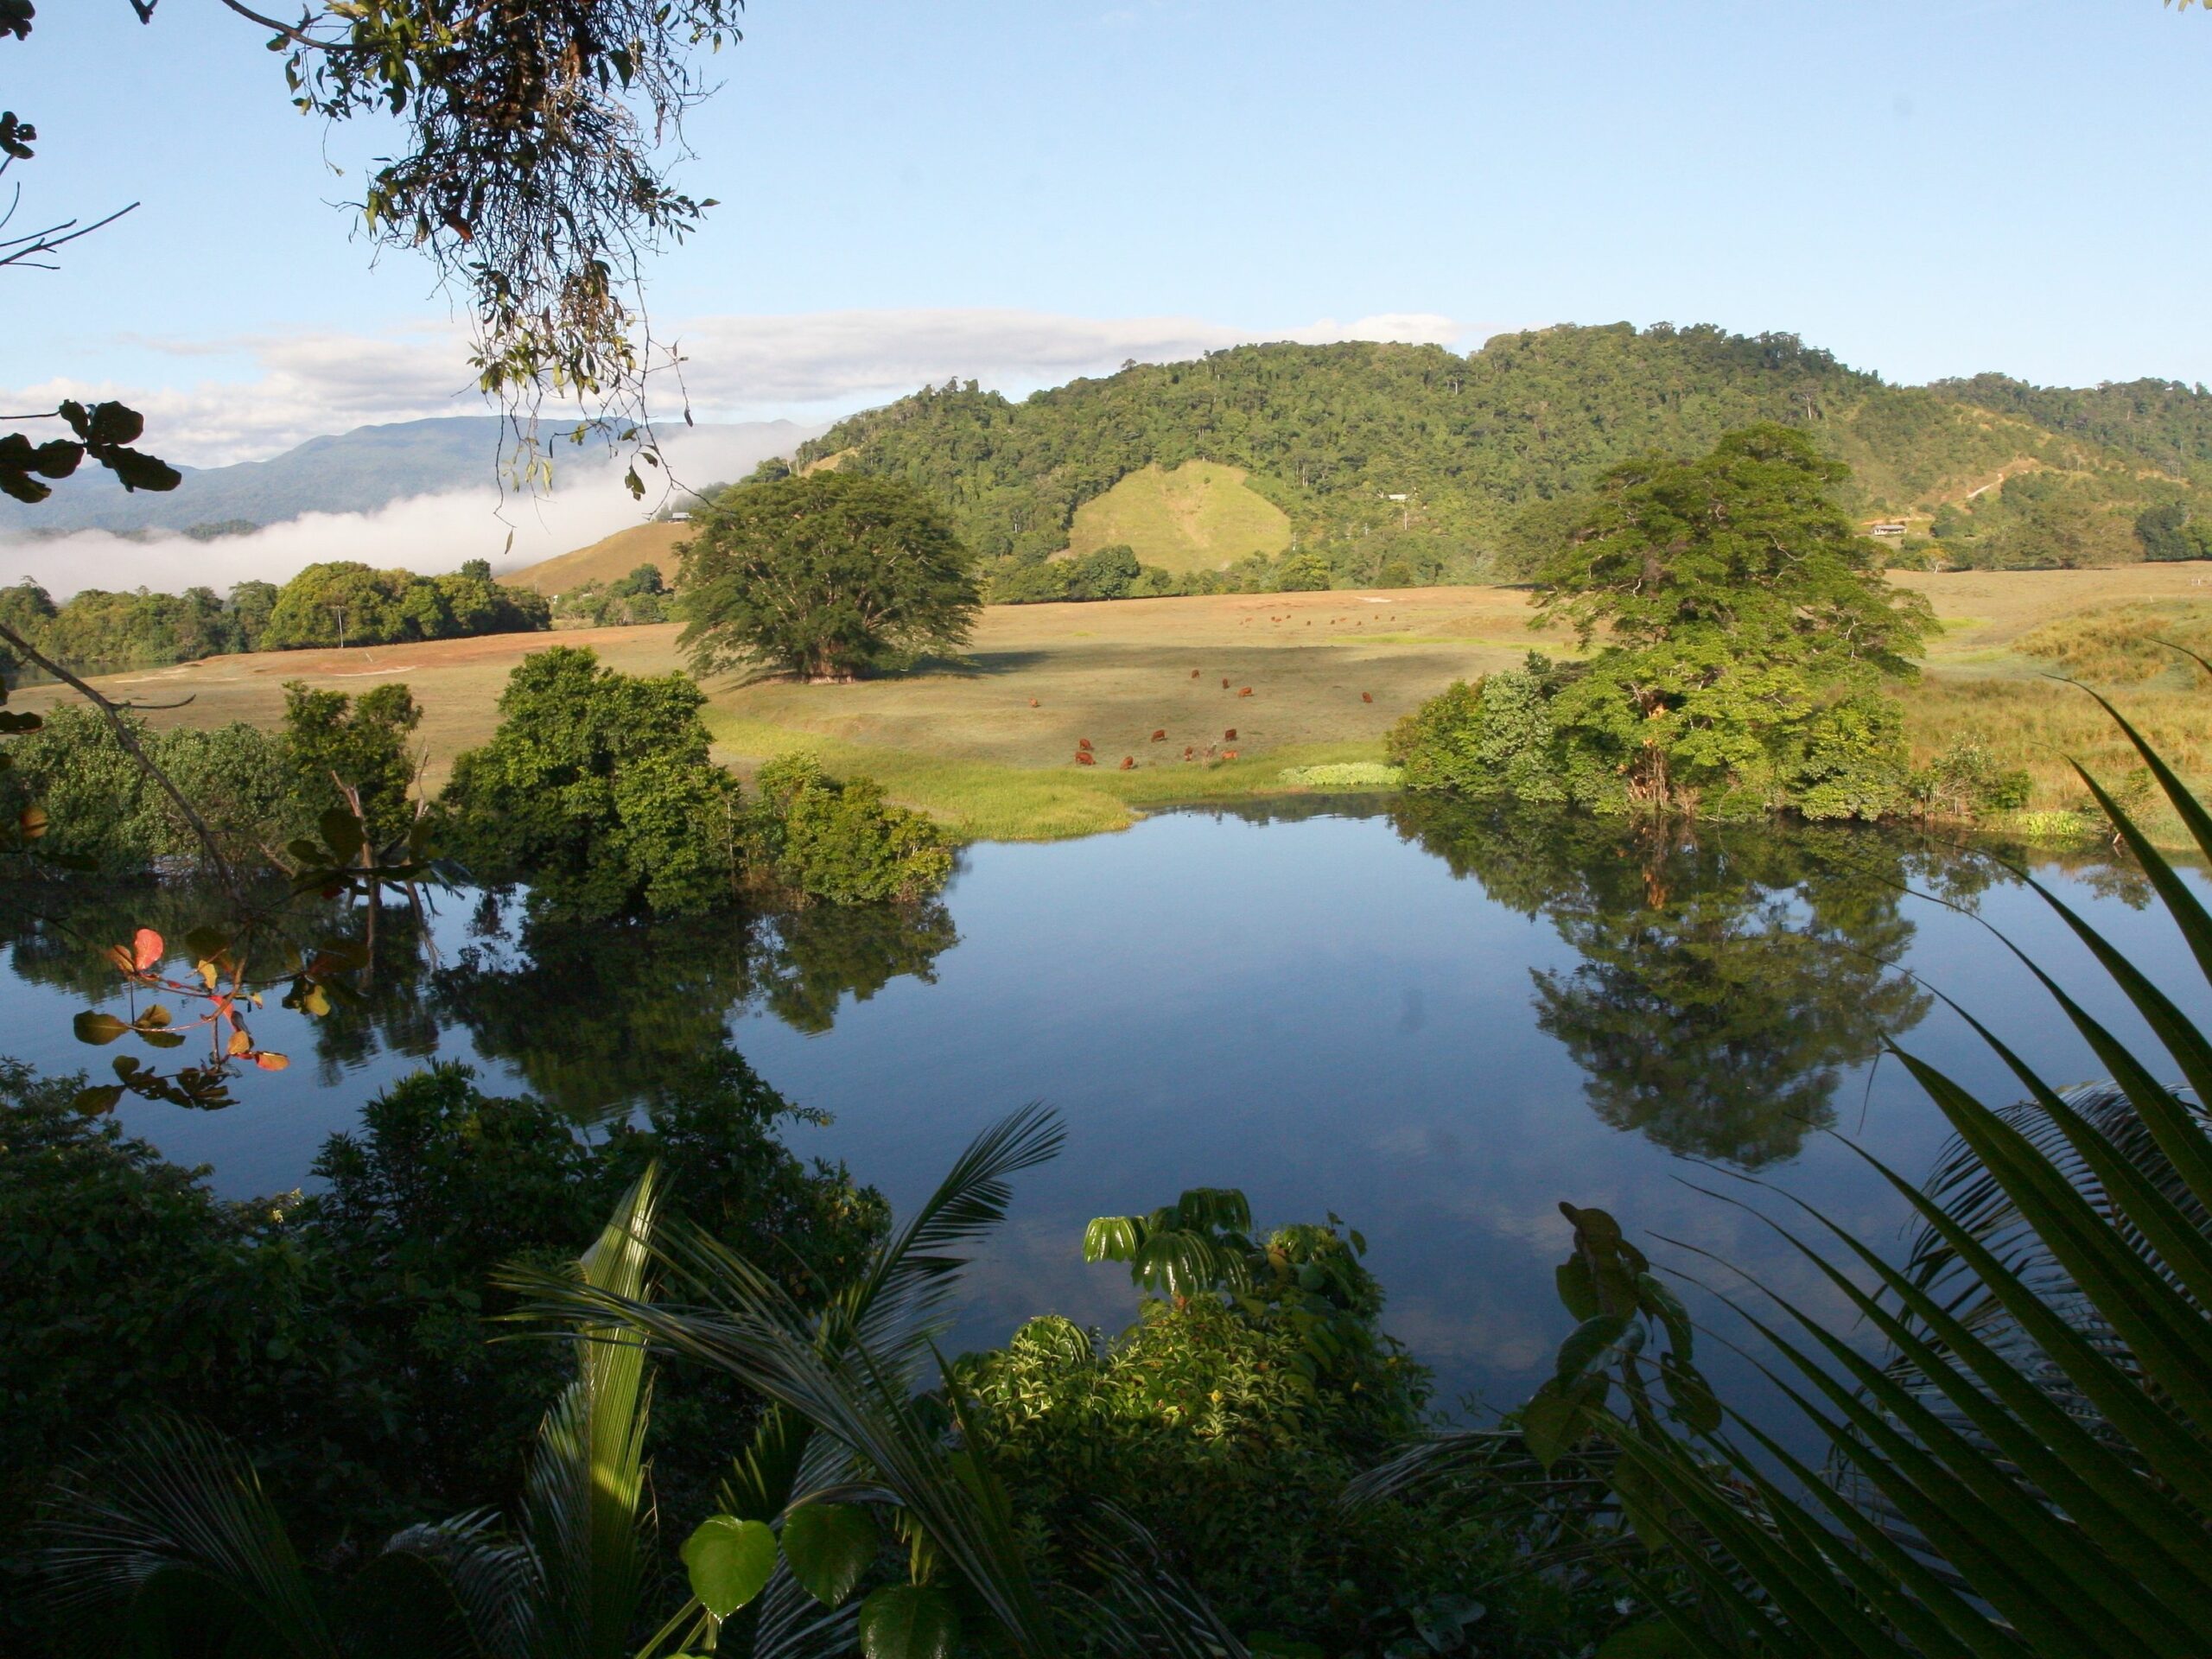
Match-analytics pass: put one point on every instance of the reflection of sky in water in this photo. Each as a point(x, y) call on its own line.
point(1316, 1011)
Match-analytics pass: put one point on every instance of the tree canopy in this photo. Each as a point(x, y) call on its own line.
point(1746, 630)
point(828, 576)
point(1335, 435)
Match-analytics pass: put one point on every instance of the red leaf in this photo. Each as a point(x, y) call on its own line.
point(269, 1062)
point(147, 949)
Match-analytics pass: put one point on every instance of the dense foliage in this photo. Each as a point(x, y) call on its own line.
point(1473, 444)
point(828, 577)
point(347, 603)
point(816, 836)
point(1225, 1422)
point(1747, 631)
point(597, 788)
point(345, 1339)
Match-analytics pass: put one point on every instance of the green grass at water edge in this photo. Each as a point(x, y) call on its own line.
point(979, 800)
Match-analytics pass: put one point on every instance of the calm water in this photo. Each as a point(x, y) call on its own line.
point(1435, 1023)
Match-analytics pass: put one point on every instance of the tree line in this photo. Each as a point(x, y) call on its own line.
point(338, 602)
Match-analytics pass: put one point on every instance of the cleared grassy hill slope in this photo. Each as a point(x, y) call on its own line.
point(606, 560)
point(1200, 516)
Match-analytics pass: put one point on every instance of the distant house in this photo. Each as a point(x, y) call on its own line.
point(1885, 530)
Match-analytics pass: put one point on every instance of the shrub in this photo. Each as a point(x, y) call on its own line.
point(598, 790)
point(821, 838)
point(101, 805)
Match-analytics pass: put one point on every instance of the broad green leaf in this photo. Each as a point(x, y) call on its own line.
point(729, 1562)
point(93, 1027)
point(1551, 1423)
point(341, 833)
point(828, 1546)
point(1586, 1343)
point(909, 1621)
point(1578, 1290)
point(1110, 1238)
point(100, 1097)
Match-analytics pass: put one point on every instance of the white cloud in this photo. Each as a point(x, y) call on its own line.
point(286, 388)
point(427, 534)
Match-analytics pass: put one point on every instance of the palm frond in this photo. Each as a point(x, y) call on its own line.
point(170, 1532)
point(583, 1514)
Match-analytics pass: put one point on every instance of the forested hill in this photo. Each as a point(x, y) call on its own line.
point(1478, 446)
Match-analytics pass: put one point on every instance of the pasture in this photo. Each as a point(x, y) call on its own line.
point(989, 744)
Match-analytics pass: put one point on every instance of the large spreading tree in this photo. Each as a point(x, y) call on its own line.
point(1744, 633)
point(829, 577)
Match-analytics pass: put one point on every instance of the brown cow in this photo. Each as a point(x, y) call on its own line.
point(1160, 735)
point(1128, 761)
point(1229, 736)
point(1084, 743)
point(1224, 685)
point(1189, 749)
point(1033, 703)
point(1245, 692)
point(1083, 757)
point(1367, 696)
point(1194, 673)
point(1229, 754)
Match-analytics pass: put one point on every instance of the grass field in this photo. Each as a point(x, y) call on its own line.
point(990, 746)
point(1200, 516)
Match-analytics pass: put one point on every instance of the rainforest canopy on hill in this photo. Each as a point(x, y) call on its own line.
point(1487, 450)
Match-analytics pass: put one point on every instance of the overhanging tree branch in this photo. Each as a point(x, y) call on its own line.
point(124, 735)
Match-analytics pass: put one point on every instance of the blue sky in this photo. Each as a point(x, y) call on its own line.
point(1021, 190)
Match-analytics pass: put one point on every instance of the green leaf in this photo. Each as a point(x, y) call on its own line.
point(1586, 1342)
point(100, 1097)
point(93, 1027)
point(1577, 1289)
point(1551, 1423)
point(909, 1621)
point(341, 832)
point(729, 1562)
point(1110, 1238)
point(828, 1546)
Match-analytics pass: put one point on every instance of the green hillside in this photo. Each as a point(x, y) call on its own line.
point(1200, 516)
point(1413, 456)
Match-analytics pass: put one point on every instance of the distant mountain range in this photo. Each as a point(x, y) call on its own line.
point(369, 468)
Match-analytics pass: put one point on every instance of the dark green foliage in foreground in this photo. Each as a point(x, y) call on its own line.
point(345, 1340)
point(827, 577)
point(101, 805)
point(255, 789)
point(1747, 632)
point(597, 788)
point(1474, 443)
point(1225, 1421)
point(345, 602)
point(817, 838)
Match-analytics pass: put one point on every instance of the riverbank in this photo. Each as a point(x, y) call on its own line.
point(990, 745)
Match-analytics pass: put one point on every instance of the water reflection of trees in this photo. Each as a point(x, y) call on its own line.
point(1728, 975)
point(593, 1017)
